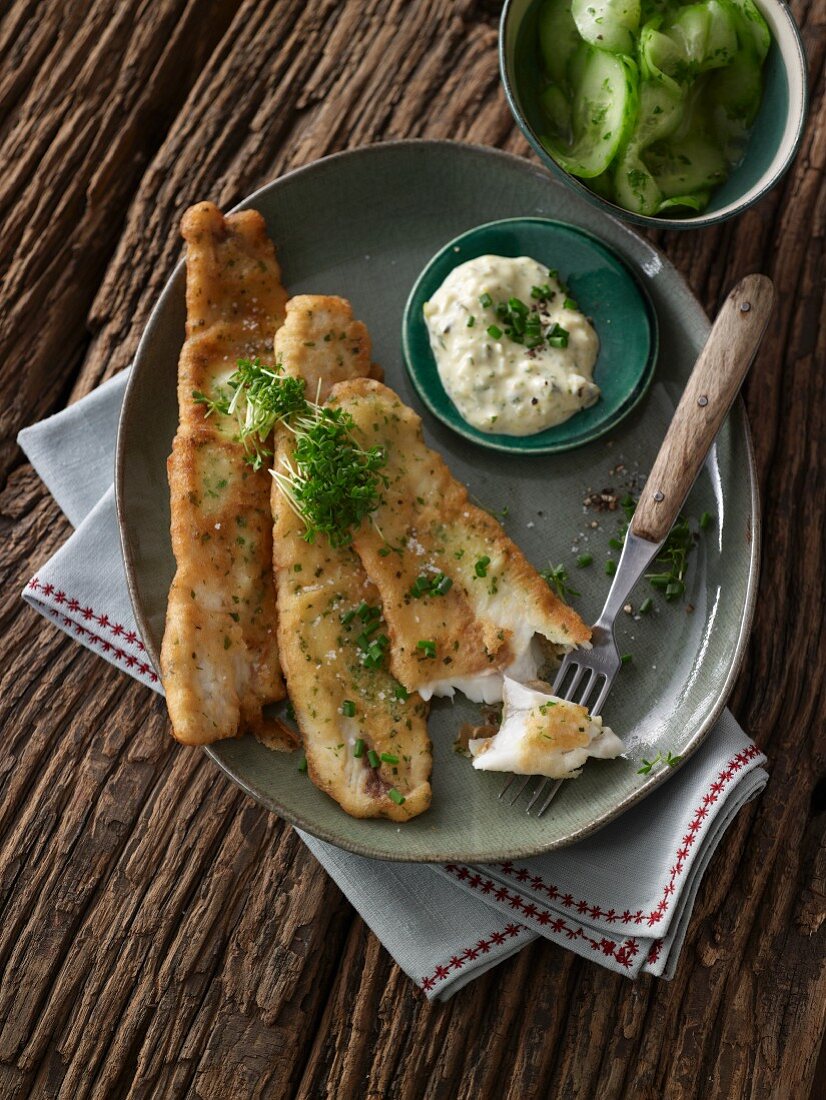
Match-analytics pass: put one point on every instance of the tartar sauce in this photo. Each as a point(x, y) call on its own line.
point(513, 351)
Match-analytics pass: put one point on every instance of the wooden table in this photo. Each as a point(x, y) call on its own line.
point(162, 935)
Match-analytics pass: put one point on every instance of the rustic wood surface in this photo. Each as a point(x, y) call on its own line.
point(161, 935)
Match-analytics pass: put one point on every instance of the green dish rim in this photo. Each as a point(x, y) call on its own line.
point(530, 444)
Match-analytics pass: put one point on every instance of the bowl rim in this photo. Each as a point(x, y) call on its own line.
point(699, 221)
point(474, 435)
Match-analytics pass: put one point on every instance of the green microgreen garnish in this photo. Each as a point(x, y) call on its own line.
point(556, 578)
point(348, 708)
point(261, 398)
point(670, 759)
point(426, 647)
point(331, 482)
point(481, 566)
point(396, 796)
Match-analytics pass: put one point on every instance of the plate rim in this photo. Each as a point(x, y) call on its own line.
point(475, 435)
point(738, 411)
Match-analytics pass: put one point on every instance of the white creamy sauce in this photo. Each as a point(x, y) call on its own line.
point(497, 383)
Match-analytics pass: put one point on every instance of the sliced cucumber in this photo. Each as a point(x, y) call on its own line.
point(695, 162)
point(608, 24)
point(557, 109)
point(603, 112)
point(752, 29)
point(697, 202)
point(661, 107)
point(558, 38)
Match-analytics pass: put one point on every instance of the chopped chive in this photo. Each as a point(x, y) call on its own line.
point(485, 300)
point(610, 567)
point(358, 748)
point(401, 692)
point(705, 521)
point(646, 605)
point(441, 585)
point(471, 321)
point(570, 303)
point(481, 566)
point(348, 616)
point(348, 708)
point(428, 648)
point(583, 560)
point(396, 796)
point(494, 332)
point(373, 758)
point(615, 544)
point(302, 767)
point(626, 658)
point(389, 758)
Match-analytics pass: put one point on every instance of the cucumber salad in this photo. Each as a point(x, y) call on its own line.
point(650, 102)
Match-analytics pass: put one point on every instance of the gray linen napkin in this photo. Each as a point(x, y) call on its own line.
point(622, 898)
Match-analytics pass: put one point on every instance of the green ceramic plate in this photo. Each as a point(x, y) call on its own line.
point(364, 224)
point(607, 292)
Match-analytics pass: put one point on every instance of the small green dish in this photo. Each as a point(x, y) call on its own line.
point(608, 293)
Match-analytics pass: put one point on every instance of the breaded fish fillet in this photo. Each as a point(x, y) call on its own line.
point(322, 343)
point(365, 738)
point(462, 603)
point(219, 659)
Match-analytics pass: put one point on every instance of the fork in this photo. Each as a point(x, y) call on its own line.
point(715, 380)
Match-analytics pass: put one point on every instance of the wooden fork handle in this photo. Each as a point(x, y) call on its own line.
point(712, 387)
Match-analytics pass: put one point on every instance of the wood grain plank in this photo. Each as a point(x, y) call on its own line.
point(162, 935)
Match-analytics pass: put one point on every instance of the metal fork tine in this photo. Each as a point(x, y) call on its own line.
point(574, 684)
point(540, 790)
point(596, 709)
point(551, 796)
point(520, 789)
point(589, 687)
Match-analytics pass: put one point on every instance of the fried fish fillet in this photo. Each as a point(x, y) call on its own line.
point(462, 603)
point(322, 343)
point(219, 659)
point(365, 737)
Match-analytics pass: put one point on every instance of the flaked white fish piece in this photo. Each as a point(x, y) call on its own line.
point(542, 734)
